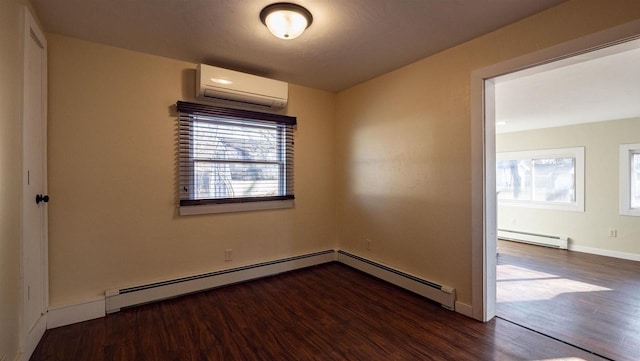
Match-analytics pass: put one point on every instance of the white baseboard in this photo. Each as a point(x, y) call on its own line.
point(605, 252)
point(34, 336)
point(79, 312)
point(442, 294)
point(133, 296)
point(464, 309)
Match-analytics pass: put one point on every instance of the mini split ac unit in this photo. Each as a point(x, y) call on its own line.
point(240, 89)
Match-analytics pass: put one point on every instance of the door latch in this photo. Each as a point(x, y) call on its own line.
point(42, 198)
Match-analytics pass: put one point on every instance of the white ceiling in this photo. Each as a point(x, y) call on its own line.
point(598, 86)
point(350, 41)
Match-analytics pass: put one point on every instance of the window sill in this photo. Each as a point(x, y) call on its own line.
point(635, 212)
point(235, 207)
point(571, 207)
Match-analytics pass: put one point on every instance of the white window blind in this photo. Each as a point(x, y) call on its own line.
point(232, 156)
point(630, 179)
point(634, 178)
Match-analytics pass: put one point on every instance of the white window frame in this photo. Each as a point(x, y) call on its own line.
point(626, 150)
point(577, 153)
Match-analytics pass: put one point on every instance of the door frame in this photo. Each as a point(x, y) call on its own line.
point(29, 340)
point(483, 154)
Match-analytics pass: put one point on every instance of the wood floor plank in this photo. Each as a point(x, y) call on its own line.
point(328, 312)
point(587, 300)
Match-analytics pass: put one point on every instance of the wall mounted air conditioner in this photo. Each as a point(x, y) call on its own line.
point(240, 89)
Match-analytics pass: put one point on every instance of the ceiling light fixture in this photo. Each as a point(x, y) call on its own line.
point(286, 20)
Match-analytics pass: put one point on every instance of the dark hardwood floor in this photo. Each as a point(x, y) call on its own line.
point(587, 300)
point(328, 312)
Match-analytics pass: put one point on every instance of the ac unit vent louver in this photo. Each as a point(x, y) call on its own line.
point(235, 88)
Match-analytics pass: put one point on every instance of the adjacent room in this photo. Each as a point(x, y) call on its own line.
point(565, 181)
point(194, 180)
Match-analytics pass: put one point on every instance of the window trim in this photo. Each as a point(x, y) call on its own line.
point(625, 179)
point(575, 152)
point(223, 205)
point(235, 207)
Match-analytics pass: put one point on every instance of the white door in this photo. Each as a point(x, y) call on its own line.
point(34, 202)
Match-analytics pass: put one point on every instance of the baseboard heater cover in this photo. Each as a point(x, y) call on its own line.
point(138, 295)
point(444, 295)
point(561, 242)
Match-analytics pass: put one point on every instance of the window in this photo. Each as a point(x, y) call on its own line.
point(550, 178)
point(234, 160)
point(630, 179)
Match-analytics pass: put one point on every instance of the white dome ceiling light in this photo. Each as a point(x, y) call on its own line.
point(286, 20)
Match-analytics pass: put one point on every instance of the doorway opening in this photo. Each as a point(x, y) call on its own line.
point(550, 121)
point(485, 207)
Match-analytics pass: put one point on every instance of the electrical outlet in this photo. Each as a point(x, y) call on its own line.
point(368, 245)
point(613, 233)
point(228, 254)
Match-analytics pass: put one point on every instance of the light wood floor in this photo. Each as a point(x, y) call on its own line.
point(329, 312)
point(587, 300)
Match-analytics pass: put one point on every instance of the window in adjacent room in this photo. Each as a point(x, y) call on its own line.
point(549, 178)
point(234, 160)
point(630, 179)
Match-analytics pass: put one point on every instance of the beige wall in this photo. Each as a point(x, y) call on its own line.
point(404, 143)
point(112, 177)
point(12, 13)
point(590, 228)
point(400, 144)
point(11, 22)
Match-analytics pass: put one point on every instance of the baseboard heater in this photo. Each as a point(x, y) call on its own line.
point(561, 242)
point(118, 299)
point(134, 296)
point(446, 296)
